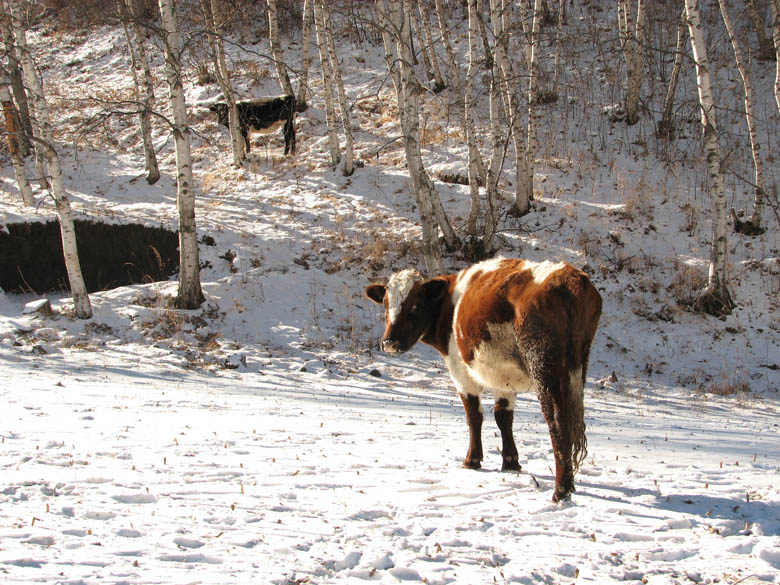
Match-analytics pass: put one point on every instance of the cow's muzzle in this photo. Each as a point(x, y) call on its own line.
point(392, 346)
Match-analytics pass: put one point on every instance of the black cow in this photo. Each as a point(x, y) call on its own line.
point(263, 116)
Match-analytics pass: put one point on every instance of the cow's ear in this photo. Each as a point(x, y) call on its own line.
point(376, 292)
point(436, 289)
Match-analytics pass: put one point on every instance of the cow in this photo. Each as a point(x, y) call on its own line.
point(511, 326)
point(263, 116)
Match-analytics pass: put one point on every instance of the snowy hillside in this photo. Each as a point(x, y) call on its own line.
point(265, 439)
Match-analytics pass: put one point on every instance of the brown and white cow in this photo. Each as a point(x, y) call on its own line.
point(264, 116)
point(510, 326)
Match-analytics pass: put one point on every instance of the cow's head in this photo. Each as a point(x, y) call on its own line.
point(221, 110)
point(412, 307)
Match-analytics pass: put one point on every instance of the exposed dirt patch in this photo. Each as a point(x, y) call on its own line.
point(111, 256)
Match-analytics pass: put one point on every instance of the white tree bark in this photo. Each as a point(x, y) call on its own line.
point(715, 299)
point(214, 23)
point(346, 119)
point(303, 80)
point(631, 35)
point(143, 85)
point(327, 82)
point(395, 32)
point(81, 305)
point(665, 127)
point(475, 159)
point(17, 87)
point(190, 295)
point(276, 48)
point(533, 75)
point(438, 79)
point(755, 146)
point(509, 80)
point(765, 49)
point(776, 36)
point(12, 132)
point(35, 123)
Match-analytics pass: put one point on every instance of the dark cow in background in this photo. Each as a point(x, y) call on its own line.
point(263, 116)
point(510, 326)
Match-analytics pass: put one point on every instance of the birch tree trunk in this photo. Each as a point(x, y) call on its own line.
point(81, 305)
point(754, 227)
point(214, 26)
point(303, 81)
point(438, 79)
point(475, 177)
point(665, 127)
point(715, 299)
point(533, 74)
point(766, 52)
point(190, 295)
point(12, 132)
point(276, 48)
point(143, 85)
point(395, 31)
point(22, 110)
point(500, 16)
point(35, 123)
point(557, 50)
point(327, 82)
point(346, 119)
point(631, 35)
point(776, 36)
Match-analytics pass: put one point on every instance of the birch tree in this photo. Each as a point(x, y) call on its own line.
point(509, 80)
point(665, 127)
point(22, 110)
point(276, 48)
point(396, 37)
point(81, 305)
point(753, 227)
point(143, 84)
point(776, 36)
point(766, 50)
point(190, 295)
point(715, 298)
point(214, 25)
point(12, 133)
point(430, 48)
point(631, 35)
point(346, 119)
point(33, 119)
point(303, 80)
point(533, 76)
point(327, 82)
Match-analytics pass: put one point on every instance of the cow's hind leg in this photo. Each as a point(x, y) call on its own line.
point(560, 397)
point(474, 417)
point(505, 413)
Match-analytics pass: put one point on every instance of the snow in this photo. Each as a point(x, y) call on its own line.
point(265, 439)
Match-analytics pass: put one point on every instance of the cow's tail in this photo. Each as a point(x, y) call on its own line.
point(574, 415)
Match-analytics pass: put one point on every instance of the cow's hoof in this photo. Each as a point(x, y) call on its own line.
point(472, 464)
point(511, 464)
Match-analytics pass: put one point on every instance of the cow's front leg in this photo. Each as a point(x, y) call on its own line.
point(504, 412)
point(473, 408)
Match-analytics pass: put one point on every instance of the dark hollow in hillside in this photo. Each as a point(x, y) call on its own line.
point(110, 255)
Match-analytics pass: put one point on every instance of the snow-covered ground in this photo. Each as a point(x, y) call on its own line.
point(264, 439)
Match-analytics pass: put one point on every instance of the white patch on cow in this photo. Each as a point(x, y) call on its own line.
point(459, 372)
point(495, 363)
point(398, 288)
point(462, 282)
point(542, 270)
